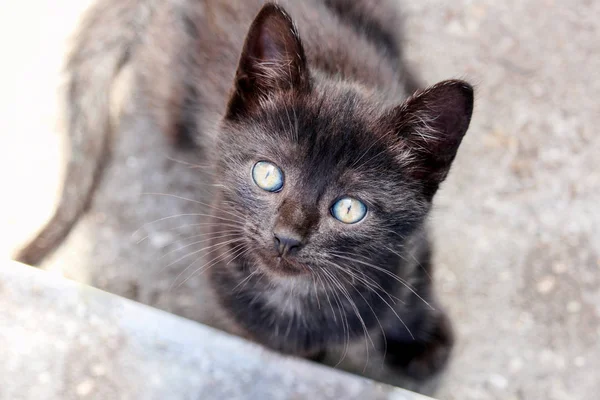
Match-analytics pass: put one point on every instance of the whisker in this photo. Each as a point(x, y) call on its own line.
point(415, 259)
point(345, 326)
point(217, 245)
point(239, 249)
point(207, 234)
point(343, 318)
point(316, 291)
point(392, 275)
point(193, 201)
point(245, 280)
point(355, 163)
point(328, 299)
point(177, 216)
point(339, 285)
point(201, 241)
point(218, 256)
point(394, 312)
point(189, 164)
point(396, 233)
point(345, 292)
point(365, 280)
point(218, 223)
point(378, 322)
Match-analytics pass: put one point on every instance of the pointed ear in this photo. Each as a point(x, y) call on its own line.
point(430, 126)
point(272, 60)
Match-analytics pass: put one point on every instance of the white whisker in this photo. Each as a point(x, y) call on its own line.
point(238, 215)
point(390, 274)
point(217, 245)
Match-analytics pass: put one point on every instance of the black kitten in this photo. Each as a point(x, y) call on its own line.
point(326, 169)
point(333, 187)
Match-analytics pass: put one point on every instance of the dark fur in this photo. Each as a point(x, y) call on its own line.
point(327, 102)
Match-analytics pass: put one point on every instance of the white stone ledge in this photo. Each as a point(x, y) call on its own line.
point(63, 340)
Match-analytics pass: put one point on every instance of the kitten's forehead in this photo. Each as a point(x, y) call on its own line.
point(333, 129)
point(332, 148)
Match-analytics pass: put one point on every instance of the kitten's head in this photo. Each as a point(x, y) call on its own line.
point(324, 178)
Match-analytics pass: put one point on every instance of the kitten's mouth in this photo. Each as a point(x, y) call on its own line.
point(282, 266)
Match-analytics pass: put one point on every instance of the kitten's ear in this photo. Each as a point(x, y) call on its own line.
point(431, 125)
point(272, 60)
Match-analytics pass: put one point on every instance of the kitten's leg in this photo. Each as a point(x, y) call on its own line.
point(426, 354)
point(424, 351)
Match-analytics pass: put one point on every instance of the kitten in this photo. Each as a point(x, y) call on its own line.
point(325, 158)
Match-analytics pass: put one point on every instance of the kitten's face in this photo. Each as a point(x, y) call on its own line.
point(316, 183)
point(321, 175)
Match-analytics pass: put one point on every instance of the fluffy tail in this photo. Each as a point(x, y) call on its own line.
point(103, 46)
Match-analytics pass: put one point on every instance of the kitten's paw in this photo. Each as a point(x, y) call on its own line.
point(424, 356)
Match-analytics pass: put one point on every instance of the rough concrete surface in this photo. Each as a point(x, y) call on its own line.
point(516, 225)
point(100, 346)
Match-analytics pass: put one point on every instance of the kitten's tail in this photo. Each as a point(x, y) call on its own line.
point(103, 46)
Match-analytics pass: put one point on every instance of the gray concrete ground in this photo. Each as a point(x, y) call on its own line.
point(516, 225)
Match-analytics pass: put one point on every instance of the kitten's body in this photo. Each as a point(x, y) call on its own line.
point(326, 111)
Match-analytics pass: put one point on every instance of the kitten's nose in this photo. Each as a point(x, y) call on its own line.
point(286, 244)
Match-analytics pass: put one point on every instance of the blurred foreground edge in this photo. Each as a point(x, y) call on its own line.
point(63, 340)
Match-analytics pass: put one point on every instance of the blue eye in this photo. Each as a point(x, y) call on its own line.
point(349, 210)
point(267, 176)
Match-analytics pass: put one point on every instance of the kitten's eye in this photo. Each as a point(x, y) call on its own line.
point(267, 176)
point(349, 210)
